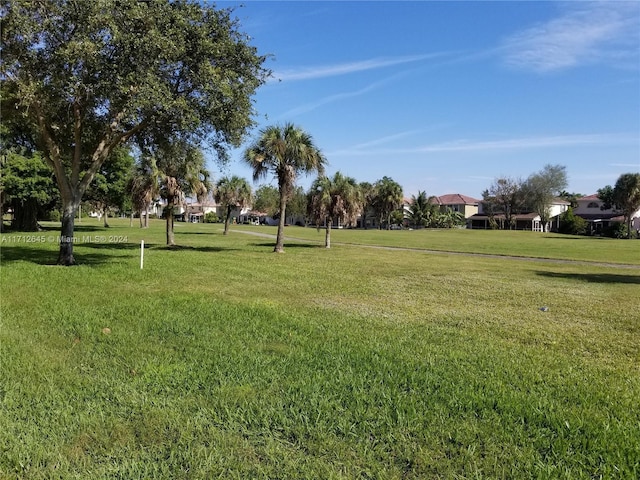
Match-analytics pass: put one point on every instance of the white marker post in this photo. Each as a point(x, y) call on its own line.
point(141, 254)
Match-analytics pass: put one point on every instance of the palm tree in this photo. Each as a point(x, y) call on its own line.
point(421, 209)
point(231, 193)
point(388, 198)
point(143, 187)
point(334, 199)
point(284, 151)
point(181, 170)
point(368, 193)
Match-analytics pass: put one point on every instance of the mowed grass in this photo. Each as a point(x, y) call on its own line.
point(224, 360)
point(489, 242)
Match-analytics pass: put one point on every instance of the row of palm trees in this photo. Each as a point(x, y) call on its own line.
point(284, 152)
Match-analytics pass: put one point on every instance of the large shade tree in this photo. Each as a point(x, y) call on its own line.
point(92, 75)
point(284, 151)
point(505, 196)
point(624, 196)
point(334, 199)
point(232, 192)
point(266, 200)
point(542, 188)
point(27, 187)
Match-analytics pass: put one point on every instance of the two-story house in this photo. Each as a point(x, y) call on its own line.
point(457, 202)
point(590, 208)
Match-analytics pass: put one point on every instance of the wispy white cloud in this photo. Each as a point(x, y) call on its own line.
point(626, 165)
point(385, 139)
point(307, 107)
point(527, 143)
point(586, 33)
point(322, 71)
point(522, 143)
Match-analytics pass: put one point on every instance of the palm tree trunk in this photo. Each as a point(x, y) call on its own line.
point(169, 216)
point(279, 248)
point(104, 211)
point(327, 237)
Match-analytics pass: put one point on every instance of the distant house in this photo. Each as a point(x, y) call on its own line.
point(523, 221)
point(194, 212)
point(598, 219)
point(457, 202)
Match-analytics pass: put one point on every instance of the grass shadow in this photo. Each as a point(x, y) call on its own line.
point(594, 277)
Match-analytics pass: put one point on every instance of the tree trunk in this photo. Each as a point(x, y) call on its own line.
point(104, 212)
point(279, 248)
point(226, 220)
point(169, 215)
point(131, 219)
point(25, 215)
point(327, 237)
point(65, 255)
point(146, 217)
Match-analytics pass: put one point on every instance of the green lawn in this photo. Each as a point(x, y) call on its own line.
point(224, 360)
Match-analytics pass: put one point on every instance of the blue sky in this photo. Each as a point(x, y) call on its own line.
point(447, 96)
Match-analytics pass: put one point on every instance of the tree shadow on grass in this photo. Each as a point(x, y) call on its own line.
point(178, 248)
point(289, 245)
point(116, 246)
point(48, 257)
point(594, 277)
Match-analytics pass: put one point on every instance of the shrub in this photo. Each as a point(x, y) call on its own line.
point(571, 224)
point(210, 217)
point(54, 215)
point(615, 230)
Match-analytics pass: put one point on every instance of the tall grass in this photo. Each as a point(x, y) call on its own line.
point(223, 360)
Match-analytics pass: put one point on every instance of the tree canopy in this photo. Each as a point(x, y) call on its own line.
point(542, 188)
point(93, 75)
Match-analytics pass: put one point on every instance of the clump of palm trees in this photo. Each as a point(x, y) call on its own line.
point(172, 172)
point(338, 199)
point(426, 213)
point(232, 192)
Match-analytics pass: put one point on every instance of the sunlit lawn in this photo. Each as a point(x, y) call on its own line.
point(224, 360)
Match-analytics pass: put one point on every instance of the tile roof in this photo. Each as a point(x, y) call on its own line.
point(454, 199)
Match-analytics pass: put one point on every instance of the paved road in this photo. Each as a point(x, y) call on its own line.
point(441, 252)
